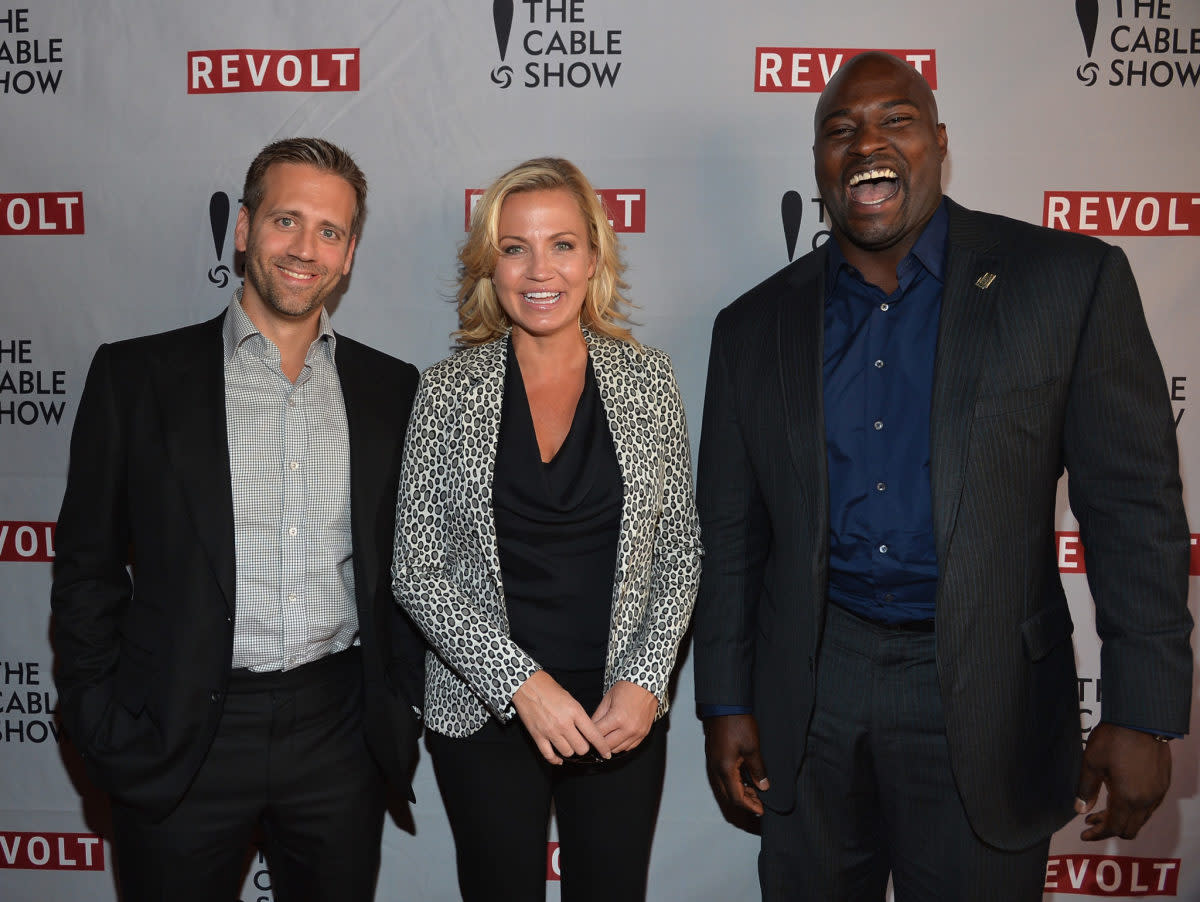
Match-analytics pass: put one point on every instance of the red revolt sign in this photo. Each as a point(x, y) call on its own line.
point(1159, 213)
point(1071, 558)
point(251, 71)
point(626, 207)
point(51, 851)
point(806, 70)
point(43, 213)
point(1112, 875)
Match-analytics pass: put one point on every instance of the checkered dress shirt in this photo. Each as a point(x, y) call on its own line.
point(289, 457)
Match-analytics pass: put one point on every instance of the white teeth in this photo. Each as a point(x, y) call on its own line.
point(299, 275)
point(873, 174)
point(541, 295)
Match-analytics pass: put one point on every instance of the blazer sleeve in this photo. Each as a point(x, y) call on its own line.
point(737, 535)
point(439, 571)
point(675, 563)
point(1122, 459)
point(91, 587)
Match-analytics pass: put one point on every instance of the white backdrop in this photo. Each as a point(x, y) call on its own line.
point(121, 119)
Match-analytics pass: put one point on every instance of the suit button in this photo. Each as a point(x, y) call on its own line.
point(214, 696)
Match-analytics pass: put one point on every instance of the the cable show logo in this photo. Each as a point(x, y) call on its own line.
point(29, 63)
point(560, 46)
point(1139, 43)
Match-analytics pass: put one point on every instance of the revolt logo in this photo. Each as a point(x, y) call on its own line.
point(42, 213)
point(1071, 557)
point(253, 71)
point(51, 851)
point(806, 70)
point(1112, 875)
point(1100, 212)
point(626, 207)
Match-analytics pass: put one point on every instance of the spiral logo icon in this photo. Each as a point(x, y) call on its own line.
point(502, 76)
point(1088, 73)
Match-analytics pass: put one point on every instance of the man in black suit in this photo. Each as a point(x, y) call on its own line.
point(883, 653)
point(250, 671)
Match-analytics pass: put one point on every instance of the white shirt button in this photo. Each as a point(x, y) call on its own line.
point(292, 530)
point(294, 465)
point(878, 425)
point(878, 364)
point(883, 549)
point(884, 307)
point(881, 487)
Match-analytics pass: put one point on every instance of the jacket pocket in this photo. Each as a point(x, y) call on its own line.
point(1013, 401)
point(1045, 630)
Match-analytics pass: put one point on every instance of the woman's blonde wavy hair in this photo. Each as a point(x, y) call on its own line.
point(480, 316)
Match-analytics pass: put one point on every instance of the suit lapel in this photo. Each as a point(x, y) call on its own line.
point(370, 453)
point(191, 385)
point(974, 287)
point(482, 401)
point(800, 342)
point(625, 407)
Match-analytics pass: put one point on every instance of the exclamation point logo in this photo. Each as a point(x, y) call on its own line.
point(502, 18)
point(218, 218)
point(791, 208)
point(1088, 14)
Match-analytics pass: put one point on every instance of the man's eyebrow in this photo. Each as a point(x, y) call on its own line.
point(887, 105)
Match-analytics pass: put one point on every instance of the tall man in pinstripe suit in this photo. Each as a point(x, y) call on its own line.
point(255, 674)
point(883, 652)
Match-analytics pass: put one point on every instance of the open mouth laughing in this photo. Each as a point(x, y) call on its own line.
point(873, 186)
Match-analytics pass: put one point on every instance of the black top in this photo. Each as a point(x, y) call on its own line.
point(557, 525)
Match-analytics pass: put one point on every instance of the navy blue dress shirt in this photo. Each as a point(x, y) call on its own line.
point(878, 386)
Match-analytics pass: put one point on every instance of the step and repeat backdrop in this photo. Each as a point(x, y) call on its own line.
point(125, 131)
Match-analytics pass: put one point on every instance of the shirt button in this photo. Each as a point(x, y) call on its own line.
point(292, 596)
point(888, 596)
point(878, 364)
point(878, 425)
point(294, 465)
point(883, 549)
point(884, 307)
point(292, 530)
point(881, 487)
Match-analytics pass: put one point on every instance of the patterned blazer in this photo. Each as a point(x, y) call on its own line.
point(446, 568)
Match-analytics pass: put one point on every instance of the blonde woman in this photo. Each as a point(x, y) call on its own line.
point(547, 545)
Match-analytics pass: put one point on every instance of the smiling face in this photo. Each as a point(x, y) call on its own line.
point(542, 271)
point(297, 243)
point(878, 151)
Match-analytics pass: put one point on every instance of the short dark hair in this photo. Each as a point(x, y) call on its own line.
point(318, 152)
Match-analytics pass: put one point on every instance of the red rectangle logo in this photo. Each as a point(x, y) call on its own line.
point(1071, 557)
point(252, 71)
point(22, 541)
point(1112, 875)
point(553, 869)
point(43, 213)
point(806, 70)
point(626, 207)
point(1160, 213)
point(51, 851)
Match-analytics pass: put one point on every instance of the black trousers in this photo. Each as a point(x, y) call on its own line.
point(289, 759)
point(876, 794)
point(498, 790)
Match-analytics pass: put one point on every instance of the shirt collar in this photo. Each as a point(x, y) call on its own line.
point(929, 251)
point(238, 327)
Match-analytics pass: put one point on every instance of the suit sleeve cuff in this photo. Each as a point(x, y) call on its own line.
point(704, 710)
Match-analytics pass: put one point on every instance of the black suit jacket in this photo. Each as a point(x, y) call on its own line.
point(1050, 366)
point(143, 662)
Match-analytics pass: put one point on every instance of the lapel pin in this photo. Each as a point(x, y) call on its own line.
point(985, 280)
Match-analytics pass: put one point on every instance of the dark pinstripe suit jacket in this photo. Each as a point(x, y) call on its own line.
point(1051, 366)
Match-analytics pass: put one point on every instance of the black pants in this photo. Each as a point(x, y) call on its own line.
point(498, 788)
point(289, 758)
point(876, 794)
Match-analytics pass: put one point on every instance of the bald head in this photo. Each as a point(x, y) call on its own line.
point(874, 65)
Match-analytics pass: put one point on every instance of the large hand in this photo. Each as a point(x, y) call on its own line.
point(558, 724)
point(1135, 767)
point(625, 715)
point(735, 766)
